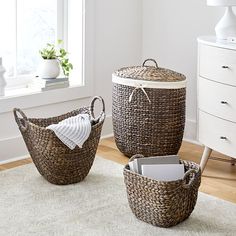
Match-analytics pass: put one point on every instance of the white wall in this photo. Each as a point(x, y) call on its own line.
point(126, 31)
point(170, 30)
point(117, 40)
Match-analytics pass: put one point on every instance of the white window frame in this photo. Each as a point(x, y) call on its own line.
point(20, 81)
point(33, 99)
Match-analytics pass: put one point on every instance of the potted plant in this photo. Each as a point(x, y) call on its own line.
point(54, 57)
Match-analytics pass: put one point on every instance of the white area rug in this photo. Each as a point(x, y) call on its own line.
point(29, 205)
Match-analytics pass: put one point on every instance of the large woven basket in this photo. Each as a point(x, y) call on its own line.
point(163, 203)
point(148, 110)
point(54, 160)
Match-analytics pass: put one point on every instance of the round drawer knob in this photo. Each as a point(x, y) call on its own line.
point(223, 138)
point(225, 67)
point(224, 102)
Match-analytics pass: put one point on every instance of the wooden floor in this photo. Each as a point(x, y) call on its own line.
point(219, 178)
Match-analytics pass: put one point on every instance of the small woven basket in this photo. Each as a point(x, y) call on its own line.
point(54, 160)
point(148, 110)
point(162, 203)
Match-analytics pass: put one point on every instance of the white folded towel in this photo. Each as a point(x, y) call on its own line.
point(73, 131)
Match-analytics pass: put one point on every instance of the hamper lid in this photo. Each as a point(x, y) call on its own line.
point(150, 73)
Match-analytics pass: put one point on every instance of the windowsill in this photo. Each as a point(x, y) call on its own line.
point(31, 87)
point(33, 97)
point(29, 99)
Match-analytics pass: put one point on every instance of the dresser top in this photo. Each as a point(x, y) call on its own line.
point(212, 41)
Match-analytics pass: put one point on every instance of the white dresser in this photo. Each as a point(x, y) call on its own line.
point(216, 97)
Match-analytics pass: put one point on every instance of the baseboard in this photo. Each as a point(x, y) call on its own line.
point(107, 136)
point(14, 149)
point(107, 129)
point(192, 141)
point(190, 133)
point(14, 159)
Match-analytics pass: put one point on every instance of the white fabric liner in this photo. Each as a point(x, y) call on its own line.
point(148, 84)
point(73, 131)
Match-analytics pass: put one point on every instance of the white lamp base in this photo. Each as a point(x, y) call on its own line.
point(227, 25)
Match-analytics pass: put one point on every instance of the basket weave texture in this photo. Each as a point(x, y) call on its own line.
point(163, 203)
point(54, 160)
point(152, 127)
point(150, 73)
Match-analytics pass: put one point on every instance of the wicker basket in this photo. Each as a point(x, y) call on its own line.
point(54, 160)
point(163, 203)
point(148, 110)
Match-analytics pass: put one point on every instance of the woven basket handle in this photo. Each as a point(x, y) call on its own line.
point(92, 108)
point(136, 156)
point(22, 125)
point(154, 61)
point(187, 174)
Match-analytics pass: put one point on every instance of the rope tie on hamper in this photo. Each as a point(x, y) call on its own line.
point(139, 86)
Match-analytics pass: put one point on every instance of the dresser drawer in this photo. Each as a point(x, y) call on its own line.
point(217, 99)
point(217, 134)
point(217, 64)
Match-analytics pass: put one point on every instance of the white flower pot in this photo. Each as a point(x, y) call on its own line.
point(2, 79)
point(49, 69)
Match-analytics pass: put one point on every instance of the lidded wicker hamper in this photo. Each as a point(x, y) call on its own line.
point(53, 159)
point(148, 110)
point(162, 203)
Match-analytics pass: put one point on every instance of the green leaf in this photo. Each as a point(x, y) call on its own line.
point(59, 41)
point(51, 52)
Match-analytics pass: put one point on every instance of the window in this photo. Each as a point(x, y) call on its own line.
point(28, 25)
